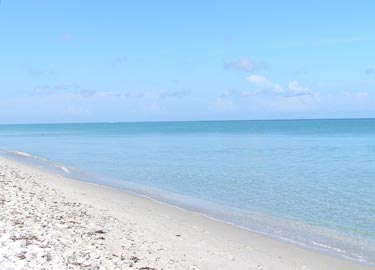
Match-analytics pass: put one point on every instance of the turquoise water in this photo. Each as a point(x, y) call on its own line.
point(307, 181)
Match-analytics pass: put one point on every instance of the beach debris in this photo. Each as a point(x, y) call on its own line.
point(44, 227)
point(21, 256)
point(134, 259)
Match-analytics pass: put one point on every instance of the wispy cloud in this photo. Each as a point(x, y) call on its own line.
point(266, 86)
point(301, 72)
point(76, 89)
point(245, 65)
point(58, 88)
point(43, 90)
point(62, 89)
point(69, 86)
point(228, 93)
point(224, 104)
point(86, 93)
point(298, 90)
point(119, 61)
point(153, 95)
point(173, 94)
point(41, 72)
point(317, 42)
point(370, 71)
point(132, 94)
point(67, 37)
point(362, 95)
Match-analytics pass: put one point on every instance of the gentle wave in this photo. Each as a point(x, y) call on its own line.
point(27, 155)
point(329, 247)
point(45, 163)
point(63, 168)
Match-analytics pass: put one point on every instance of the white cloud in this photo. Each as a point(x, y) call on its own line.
point(265, 85)
point(297, 90)
point(245, 64)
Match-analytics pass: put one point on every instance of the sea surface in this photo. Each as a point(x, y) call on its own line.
point(310, 182)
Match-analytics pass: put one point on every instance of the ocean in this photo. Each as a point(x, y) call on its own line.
point(309, 182)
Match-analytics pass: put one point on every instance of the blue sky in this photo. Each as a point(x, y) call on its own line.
point(89, 61)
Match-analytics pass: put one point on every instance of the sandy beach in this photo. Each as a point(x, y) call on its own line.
point(50, 222)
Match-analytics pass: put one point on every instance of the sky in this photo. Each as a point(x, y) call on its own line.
point(159, 60)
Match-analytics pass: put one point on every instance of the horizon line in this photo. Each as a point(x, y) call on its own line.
point(182, 121)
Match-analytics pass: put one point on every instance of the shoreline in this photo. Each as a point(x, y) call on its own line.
point(321, 243)
point(191, 240)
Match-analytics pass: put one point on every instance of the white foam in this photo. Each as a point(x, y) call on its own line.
point(63, 168)
point(28, 155)
point(24, 154)
point(328, 247)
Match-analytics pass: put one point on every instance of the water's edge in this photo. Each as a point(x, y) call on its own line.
point(292, 232)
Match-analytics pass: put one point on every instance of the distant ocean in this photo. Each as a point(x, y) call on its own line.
point(311, 182)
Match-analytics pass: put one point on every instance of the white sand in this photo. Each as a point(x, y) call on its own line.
point(50, 222)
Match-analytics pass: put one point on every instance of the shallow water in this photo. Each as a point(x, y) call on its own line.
point(308, 181)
